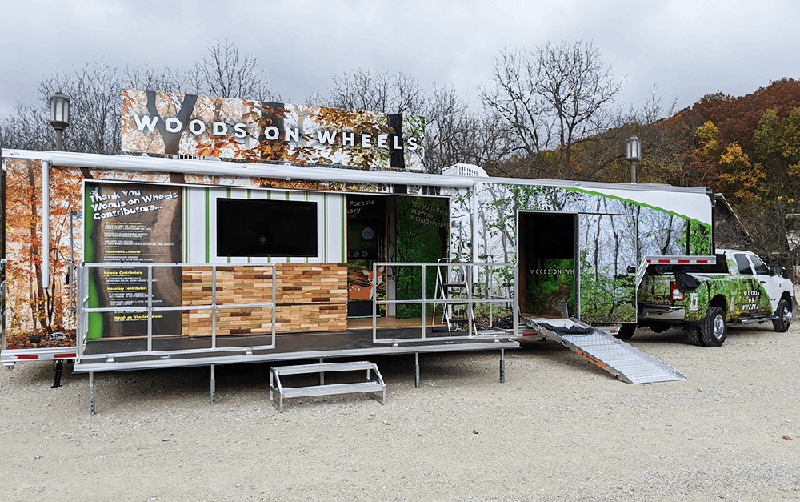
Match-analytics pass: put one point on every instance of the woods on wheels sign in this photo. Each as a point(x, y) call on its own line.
point(185, 124)
point(134, 224)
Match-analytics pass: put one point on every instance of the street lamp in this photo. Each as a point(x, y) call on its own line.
point(59, 117)
point(633, 152)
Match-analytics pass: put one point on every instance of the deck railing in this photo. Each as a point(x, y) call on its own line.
point(470, 271)
point(84, 310)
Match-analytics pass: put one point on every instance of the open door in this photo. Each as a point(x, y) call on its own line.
point(366, 244)
point(393, 228)
point(548, 264)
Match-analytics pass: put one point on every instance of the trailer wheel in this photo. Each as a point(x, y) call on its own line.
point(626, 331)
point(781, 324)
point(713, 329)
point(693, 334)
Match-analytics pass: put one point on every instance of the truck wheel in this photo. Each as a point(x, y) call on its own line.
point(693, 334)
point(713, 329)
point(781, 324)
point(626, 331)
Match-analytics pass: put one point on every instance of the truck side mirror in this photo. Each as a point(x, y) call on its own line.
point(779, 271)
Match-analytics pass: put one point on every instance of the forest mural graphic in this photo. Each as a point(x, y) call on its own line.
point(608, 230)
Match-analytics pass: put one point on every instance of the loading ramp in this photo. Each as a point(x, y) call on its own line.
point(622, 360)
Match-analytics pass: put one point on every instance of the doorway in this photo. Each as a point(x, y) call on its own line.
point(548, 264)
point(393, 228)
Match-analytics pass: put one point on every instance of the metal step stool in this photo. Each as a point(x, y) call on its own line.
point(370, 386)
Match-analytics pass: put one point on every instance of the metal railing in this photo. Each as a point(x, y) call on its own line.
point(471, 270)
point(84, 310)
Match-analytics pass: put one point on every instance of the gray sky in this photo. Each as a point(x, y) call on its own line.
point(687, 48)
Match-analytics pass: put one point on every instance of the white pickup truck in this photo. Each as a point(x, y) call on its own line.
point(705, 297)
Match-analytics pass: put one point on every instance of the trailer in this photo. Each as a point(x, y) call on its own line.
point(280, 233)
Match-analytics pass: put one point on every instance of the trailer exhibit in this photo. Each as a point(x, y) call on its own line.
point(235, 231)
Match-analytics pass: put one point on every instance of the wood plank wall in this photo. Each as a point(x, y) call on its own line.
point(314, 298)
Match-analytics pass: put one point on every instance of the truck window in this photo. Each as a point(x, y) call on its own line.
point(760, 266)
point(743, 264)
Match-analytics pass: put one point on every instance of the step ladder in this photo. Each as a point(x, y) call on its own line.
point(622, 360)
point(373, 387)
point(450, 288)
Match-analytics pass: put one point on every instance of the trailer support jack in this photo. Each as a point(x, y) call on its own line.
point(59, 366)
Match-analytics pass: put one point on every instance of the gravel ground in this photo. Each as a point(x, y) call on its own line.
point(558, 429)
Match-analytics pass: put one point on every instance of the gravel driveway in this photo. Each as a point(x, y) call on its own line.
point(558, 429)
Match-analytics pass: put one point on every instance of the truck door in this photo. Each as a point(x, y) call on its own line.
point(751, 298)
point(771, 291)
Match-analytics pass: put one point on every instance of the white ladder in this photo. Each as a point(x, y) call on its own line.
point(447, 289)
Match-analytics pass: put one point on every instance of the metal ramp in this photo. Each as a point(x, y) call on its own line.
point(623, 361)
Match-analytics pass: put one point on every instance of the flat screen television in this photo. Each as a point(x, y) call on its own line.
point(258, 227)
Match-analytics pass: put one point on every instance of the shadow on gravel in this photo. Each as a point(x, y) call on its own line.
point(122, 389)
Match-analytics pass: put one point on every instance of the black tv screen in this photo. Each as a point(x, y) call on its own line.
point(255, 227)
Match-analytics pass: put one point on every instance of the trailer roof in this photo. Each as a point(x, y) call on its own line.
point(342, 174)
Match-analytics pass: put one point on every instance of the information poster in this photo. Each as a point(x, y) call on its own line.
point(133, 223)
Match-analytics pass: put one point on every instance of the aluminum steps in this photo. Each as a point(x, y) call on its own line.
point(375, 388)
point(622, 360)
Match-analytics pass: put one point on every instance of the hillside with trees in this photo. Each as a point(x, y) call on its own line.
point(747, 148)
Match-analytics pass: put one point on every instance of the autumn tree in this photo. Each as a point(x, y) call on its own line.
point(738, 177)
point(776, 143)
point(601, 157)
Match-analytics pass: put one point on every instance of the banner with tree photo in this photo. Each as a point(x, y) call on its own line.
point(133, 223)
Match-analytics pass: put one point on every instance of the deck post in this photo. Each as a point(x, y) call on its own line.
point(502, 366)
point(416, 370)
point(213, 385)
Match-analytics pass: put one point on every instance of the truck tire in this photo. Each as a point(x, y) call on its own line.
point(781, 324)
point(626, 331)
point(693, 334)
point(713, 329)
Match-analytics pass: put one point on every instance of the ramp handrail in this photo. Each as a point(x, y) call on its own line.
point(424, 301)
point(83, 310)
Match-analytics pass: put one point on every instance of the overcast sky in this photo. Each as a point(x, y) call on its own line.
point(687, 48)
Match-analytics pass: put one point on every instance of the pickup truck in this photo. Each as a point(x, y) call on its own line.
point(704, 296)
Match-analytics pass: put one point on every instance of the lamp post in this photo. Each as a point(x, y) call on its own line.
point(633, 152)
point(59, 117)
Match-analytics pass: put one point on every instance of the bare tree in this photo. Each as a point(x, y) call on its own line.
point(378, 92)
point(516, 99)
point(227, 73)
point(576, 85)
point(95, 89)
point(94, 93)
point(448, 124)
point(551, 96)
point(455, 134)
point(167, 80)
